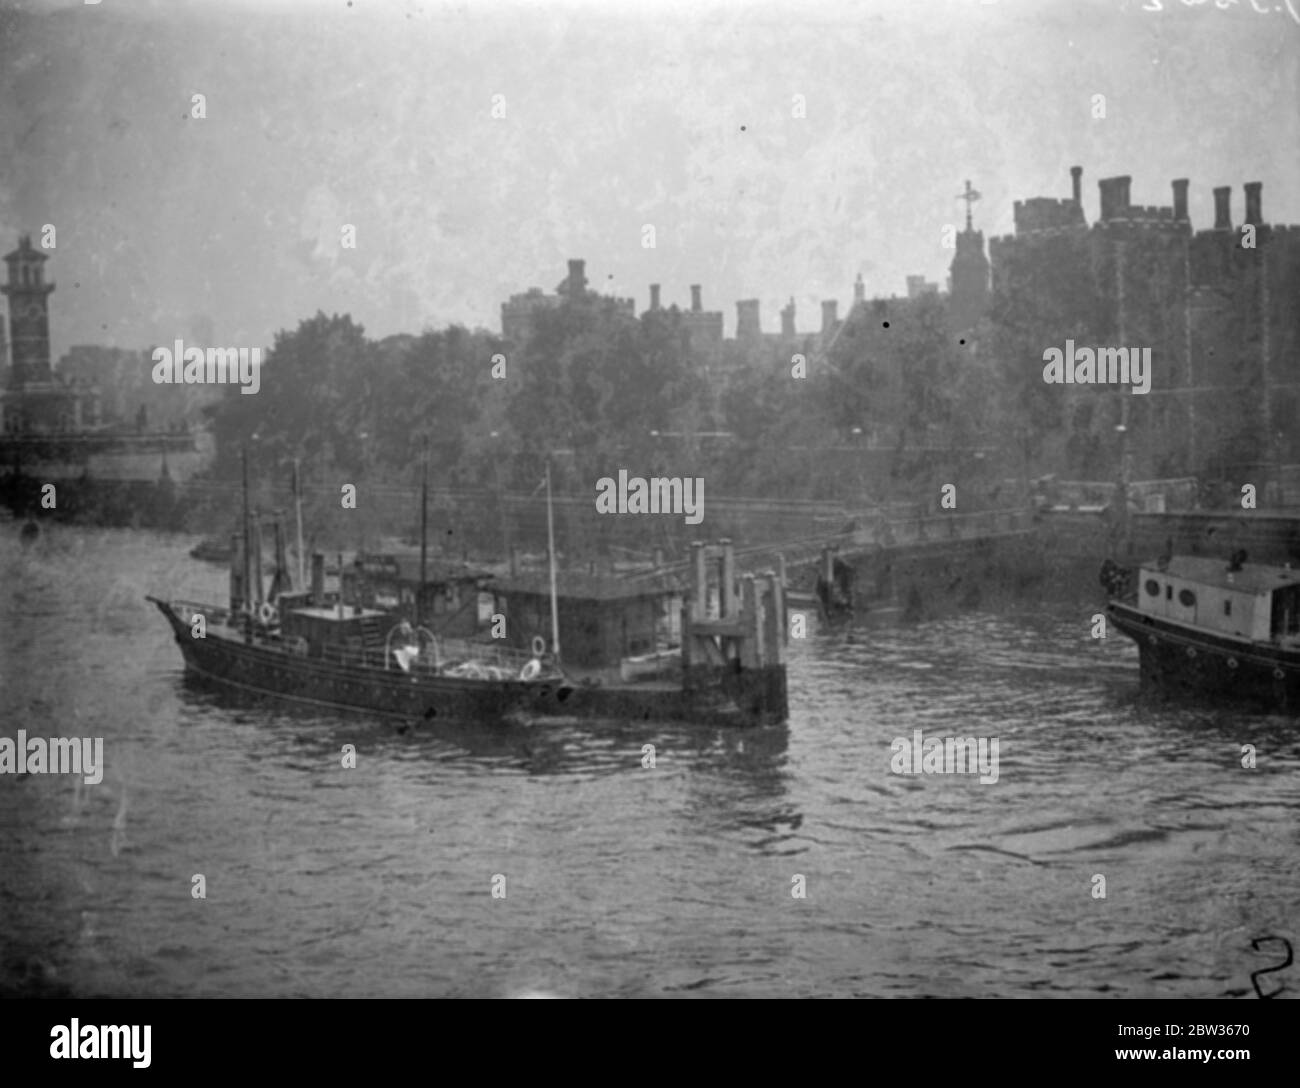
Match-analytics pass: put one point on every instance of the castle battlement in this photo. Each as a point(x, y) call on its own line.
point(1044, 213)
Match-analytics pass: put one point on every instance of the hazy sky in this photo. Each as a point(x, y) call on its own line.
point(378, 114)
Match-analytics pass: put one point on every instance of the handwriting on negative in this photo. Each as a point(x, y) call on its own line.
point(1260, 7)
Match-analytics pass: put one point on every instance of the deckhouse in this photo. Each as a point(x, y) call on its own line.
point(1259, 603)
point(448, 601)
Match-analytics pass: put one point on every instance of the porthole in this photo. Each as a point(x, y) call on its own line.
point(1153, 587)
point(1191, 651)
point(1232, 662)
point(1187, 598)
point(1278, 674)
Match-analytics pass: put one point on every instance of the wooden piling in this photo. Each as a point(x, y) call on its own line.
point(778, 630)
point(751, 645)
point(727, 584)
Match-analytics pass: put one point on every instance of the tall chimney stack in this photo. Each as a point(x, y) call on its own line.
point(1254, 214)
point(577, 278)
point(1223, 208)
point(859, 289)
point(787, 320)
point(829, 306)
point(1180, 199)
point(654, 296)
point(696, 304)
point(1076, 180)
point(1106, 193)
point(318, 579)
point(748, 325)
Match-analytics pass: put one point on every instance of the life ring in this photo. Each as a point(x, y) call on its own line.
point(1232, 662)
point(1191, 651)
point(539, 646)
point(266, 614)
point(531, 670)
point(1278, 674)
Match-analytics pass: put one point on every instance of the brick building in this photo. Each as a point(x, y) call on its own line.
point(1215, 306)
point(518, 311)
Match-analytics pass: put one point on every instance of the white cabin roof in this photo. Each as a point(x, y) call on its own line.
point(1251, 578)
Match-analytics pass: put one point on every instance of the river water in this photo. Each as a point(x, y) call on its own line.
point(622, 880)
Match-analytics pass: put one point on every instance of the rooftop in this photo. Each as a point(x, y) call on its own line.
point(583, 587)
point(1252, 578)
point(405, 567)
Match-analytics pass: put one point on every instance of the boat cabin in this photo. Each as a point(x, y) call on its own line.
point(602, 620)
point(389, 582)
point(1252, 601)
point(351, 628)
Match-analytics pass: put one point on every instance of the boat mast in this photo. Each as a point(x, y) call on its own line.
point(1122, 486)
point(550, 556)
point(248, 552)
point(297, 506)
point(424, 531)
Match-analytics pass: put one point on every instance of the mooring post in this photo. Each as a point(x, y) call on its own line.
point(699, 582)
point(778, 628)
point(727, 574)
point(751, 646)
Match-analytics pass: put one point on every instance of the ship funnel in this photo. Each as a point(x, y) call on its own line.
point(318, 579)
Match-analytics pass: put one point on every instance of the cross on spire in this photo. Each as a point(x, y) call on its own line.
point(970, 196)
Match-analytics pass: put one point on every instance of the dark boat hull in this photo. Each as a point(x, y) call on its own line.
point(710, 696)
point(1181, 662)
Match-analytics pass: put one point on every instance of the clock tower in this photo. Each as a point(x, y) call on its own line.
point(29, 316)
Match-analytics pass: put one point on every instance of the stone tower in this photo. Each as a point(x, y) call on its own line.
point(970, 272)
point(29, 315)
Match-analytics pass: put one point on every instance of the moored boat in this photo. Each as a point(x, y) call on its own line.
point(211, 550)
point(312, 647)
point(1212, 629)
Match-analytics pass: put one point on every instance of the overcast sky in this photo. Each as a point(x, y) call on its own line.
point(618, 114)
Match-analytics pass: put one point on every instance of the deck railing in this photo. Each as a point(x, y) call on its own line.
point(434, 658)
